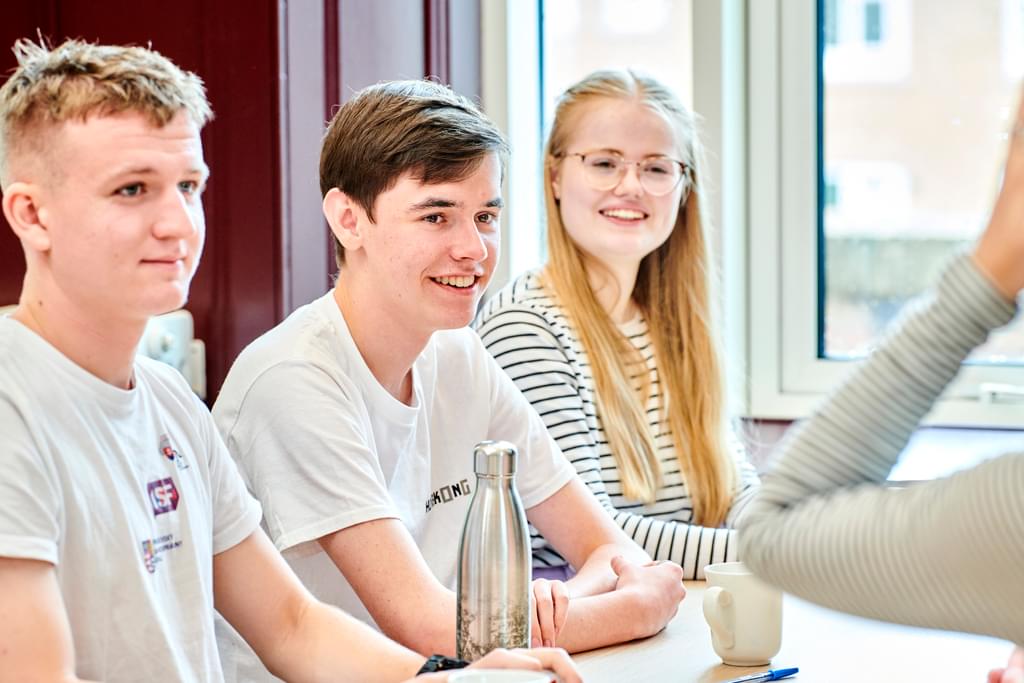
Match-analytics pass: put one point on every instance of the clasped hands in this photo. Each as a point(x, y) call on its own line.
point(657, 585)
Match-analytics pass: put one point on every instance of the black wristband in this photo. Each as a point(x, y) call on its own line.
point(441, 663)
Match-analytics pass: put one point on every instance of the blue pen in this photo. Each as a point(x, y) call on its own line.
point(773, 675)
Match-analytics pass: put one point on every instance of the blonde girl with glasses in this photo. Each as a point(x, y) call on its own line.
point(614, 341)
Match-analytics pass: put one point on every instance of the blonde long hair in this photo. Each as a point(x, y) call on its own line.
point(674, 290)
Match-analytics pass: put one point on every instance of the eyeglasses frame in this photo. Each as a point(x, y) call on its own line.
point(685, 171)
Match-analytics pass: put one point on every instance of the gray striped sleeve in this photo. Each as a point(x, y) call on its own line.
point(944, 554)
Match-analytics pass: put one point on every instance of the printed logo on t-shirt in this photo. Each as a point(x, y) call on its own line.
point(447, 494)
point(171, 453)
point(163, 495)
point(153, 548)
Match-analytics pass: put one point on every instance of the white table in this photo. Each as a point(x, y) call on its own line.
point(829, 647)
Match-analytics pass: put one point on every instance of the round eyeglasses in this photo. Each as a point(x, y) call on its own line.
point(658, 175)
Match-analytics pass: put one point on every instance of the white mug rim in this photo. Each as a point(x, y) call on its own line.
point(735, 568)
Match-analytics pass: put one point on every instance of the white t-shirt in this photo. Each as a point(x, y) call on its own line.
point(324, 446)
point(129, 494)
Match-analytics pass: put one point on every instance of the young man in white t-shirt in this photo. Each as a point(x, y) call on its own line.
point(354, 420)
point(123, 521)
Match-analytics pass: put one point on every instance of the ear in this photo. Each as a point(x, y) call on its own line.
point(345, 217)
point(23, 209)
point(556, 190)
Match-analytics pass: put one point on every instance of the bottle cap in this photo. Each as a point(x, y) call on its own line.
point(494, 459)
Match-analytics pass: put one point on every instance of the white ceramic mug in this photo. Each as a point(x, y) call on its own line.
point(744, 613)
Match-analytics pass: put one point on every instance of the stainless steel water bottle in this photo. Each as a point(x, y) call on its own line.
point(494, 559)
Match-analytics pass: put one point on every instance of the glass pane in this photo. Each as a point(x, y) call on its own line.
point(651, 36)
point(916, 101)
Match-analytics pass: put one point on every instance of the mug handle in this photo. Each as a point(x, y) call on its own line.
point(719, 615)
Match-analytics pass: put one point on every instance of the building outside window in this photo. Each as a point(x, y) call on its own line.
point(915, 164)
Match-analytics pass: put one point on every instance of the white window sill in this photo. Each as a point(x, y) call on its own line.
point(932, 452)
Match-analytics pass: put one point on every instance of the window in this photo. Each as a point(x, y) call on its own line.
point(855, 143)
point(831, 193)
point(831, 32)
point(869, 178)
point(873, 22)
point(867, 40)
point(864, 284)
point(651, 36)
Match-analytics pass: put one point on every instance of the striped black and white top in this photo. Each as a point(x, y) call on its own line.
point(530, 336)
point(945, 554)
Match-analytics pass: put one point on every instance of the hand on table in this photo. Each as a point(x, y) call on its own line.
point(549, 606)
point(659, 587)
point(1013, 672)
point(551, 659)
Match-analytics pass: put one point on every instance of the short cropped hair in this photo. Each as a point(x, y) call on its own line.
point(398, 127)
point(77, 79)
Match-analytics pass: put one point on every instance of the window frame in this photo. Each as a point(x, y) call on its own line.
point(507, 67)
point(787, 378)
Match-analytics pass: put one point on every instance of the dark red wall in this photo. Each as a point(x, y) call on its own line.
point(273, 71)
point(236, 292)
